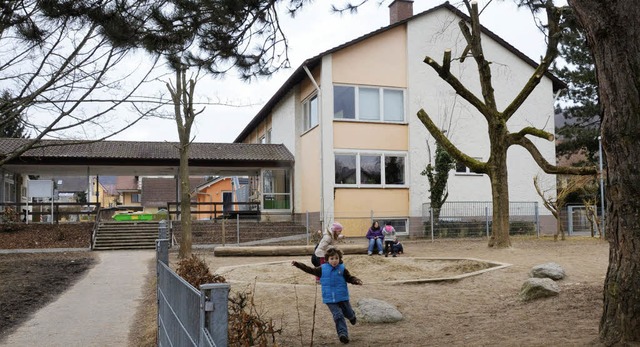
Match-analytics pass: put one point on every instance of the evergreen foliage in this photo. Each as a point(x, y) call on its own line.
point(11, 122)
point(217, 35)
point(579, 104)
point(438, 175)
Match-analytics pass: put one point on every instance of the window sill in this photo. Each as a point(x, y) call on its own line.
point(468, 174)
point(308, 130)
point(349, 120)
point(370, 186)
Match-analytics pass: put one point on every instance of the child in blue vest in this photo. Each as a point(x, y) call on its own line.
point(335, 294)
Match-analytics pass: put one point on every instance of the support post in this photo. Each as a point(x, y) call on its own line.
point(214, 316)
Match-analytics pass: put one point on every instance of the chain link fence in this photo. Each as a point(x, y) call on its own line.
point(475, 218)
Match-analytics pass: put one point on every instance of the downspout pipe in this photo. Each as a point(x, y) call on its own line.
point(321, 123)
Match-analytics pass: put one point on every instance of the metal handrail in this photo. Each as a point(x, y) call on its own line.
point(96, 225)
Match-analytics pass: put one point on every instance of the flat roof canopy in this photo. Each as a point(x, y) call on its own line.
point(126, 158)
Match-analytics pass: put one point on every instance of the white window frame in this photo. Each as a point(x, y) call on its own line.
point(380, 105)
point(383, 155)
point(383, 220)
point(268, 136)
point(306, 113)
point(467, 171)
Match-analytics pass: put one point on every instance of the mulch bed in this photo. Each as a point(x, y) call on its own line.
point(31, 280)
point(39, 235)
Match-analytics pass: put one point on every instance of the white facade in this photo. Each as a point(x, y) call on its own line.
point(465, 126)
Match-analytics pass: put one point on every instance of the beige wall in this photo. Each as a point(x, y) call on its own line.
point(306, 87)
point(259, 131)
point(126, 199)
point(353, 207)
point(367, 62)
point(308, 170)
point(380, 136)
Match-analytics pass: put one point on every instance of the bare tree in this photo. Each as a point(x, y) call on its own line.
point(216, 37)
point(555, 201)
point(182, 95)
point(499, 136)
point(61, 78)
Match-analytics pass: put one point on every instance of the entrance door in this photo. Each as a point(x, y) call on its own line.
point(227, 202)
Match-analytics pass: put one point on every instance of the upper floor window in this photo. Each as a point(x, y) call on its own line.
point(368, 103)
point(369, 169)
point(267, 136)
point(310, 113)
point(262, 140)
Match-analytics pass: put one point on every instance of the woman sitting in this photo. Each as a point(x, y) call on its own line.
point(374, 235)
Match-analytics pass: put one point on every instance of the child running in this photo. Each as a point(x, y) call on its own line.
point(335, 294)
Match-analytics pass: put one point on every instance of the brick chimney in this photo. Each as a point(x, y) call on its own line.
point(400, 10)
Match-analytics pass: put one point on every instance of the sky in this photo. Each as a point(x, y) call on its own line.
point(313, 31)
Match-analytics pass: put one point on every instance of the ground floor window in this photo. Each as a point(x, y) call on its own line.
point(399, 224)
point(276, 189)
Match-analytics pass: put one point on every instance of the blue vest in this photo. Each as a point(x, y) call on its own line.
point(334, 286)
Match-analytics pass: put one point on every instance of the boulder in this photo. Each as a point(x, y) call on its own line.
point(548, 270)
point(377, 311)
point(536, 288)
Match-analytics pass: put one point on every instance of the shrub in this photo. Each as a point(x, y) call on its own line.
point(195, 271)
point(247, 327)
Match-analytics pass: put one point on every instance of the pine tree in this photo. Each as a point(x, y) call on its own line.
point(579, 104)
point(11, 123)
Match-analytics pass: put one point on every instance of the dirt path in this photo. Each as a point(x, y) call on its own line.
point(482, 310)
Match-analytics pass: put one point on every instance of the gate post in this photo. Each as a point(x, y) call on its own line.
point(162, 244)
point(214, 312)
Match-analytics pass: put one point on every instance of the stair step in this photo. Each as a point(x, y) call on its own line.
point(113, 248)
point(126, 235)
point(120, 243)
point(116, 233)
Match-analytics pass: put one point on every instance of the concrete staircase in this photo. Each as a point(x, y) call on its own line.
point(126, 235)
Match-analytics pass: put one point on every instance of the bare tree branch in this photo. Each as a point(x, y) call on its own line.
point(472, 163)
point(553, 19)
point(458, 86)
point(545, 165)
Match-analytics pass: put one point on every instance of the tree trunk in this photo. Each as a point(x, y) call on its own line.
point(254, 251)
point(185, 203)
point(499, 187)
point(612, 29)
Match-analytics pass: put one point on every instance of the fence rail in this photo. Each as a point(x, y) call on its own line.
point(49, 212)
point(217, 210)
point(188, 316)
point(475, 219)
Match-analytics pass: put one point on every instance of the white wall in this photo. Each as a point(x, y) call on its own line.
point(283, 130)
point(429, 36)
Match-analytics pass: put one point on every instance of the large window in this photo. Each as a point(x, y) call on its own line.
point(369, 169)
point(310, 113)
point(368, 103)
